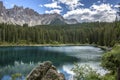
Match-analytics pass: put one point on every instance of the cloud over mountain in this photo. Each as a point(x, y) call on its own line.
point(82, 10)
point(52, 5)
point(98, 11)
point(58, 11)
point(72, 4)
point(102, 12)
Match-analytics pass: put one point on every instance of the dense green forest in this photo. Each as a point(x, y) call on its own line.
point(100, 33)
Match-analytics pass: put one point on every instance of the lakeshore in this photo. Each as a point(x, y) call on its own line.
point(105, 48)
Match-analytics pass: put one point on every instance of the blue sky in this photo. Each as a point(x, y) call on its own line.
point(81, 10)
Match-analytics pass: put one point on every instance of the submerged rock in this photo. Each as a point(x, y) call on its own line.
point(45, 71)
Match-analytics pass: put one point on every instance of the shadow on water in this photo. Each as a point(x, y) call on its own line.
point(10, 58)
point(23, 59)
point(8, 55)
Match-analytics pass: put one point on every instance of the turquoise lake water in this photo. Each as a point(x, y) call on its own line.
point(24, 59)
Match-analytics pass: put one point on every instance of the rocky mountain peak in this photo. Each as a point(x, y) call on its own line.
point(19, 15)
point(71, 21)
point(31, 12)
point(2, 8)
point(17, 7)
point(1, 3)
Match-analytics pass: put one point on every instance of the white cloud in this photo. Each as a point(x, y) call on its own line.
point(12, 5)
point(40, 5)
point(102, 12)
point(52, 5)
point(98, 1)
point(102, 7)
point(54, 11)
point(72, 4)
point(117, 6)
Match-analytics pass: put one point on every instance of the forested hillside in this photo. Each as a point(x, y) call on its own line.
point(104, 34)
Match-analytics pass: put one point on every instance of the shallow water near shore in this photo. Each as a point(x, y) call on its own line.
point(18, 59)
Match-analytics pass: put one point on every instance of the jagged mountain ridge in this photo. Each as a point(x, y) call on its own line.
point(20, 16)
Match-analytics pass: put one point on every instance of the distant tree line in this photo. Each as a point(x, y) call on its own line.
point(100, 33)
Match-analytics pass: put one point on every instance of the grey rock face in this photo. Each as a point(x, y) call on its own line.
point(20, 16)
point(2, 8)
point(71, 21)
point(45, 71)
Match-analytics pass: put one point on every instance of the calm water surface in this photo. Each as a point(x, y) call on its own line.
point(24, 59)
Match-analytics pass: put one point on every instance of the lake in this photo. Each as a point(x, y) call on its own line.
point(22, 59)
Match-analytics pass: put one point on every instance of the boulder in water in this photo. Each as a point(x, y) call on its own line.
point(45, 71)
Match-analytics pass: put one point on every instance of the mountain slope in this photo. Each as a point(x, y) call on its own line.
point(20, 16)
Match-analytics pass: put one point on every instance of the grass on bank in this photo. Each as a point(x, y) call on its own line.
point(110, 61)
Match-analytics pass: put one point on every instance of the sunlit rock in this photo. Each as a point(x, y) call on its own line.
point(45, 71)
